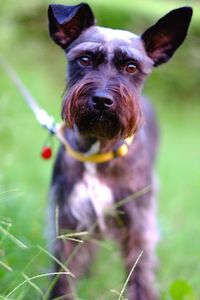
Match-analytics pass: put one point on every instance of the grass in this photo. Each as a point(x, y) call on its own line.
point(24, 177)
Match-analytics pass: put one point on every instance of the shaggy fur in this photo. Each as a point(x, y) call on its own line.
point(102, 106)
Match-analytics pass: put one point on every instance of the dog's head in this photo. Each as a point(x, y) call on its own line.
point(107, 67)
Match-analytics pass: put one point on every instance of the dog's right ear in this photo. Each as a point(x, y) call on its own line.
point(67, 22)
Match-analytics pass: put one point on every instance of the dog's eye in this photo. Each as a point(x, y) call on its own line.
point(131, 68)
point(85, 61)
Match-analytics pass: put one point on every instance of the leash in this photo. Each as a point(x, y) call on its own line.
point(40, 114)
point(49, 123)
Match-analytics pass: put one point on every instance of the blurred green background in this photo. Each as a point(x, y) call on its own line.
point(174, 88)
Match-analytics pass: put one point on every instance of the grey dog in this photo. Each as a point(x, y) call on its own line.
point(105, 185)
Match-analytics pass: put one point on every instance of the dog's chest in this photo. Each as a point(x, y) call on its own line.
point(91, 199)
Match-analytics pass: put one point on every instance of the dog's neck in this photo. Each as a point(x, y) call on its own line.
point(89, 145)
point(82, 143)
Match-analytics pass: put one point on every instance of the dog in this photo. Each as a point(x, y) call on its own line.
point(103, 180)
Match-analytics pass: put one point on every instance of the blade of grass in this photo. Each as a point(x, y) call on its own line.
point(5, 221)
point(6, 266)
point(35, 277)
point(75, 240)
point(129, 275)
point(72, 234)
point(133, 196)
point(33, 284)
point(12, 238)
point(117, 293)
point(56, 260)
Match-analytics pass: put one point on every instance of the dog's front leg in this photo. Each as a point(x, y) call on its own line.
point(77, 257)
point(140, 238)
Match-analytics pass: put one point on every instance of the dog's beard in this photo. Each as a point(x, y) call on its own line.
point(120, 122)
point(102, 125)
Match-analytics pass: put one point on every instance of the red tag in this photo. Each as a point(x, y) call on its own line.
point(46, 152)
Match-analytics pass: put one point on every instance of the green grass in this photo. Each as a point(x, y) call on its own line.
point(24, 177)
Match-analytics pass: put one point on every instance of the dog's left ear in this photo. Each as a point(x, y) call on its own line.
point(162, 39)
point(67, 22)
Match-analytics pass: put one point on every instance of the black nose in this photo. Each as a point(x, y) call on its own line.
point(102, 100)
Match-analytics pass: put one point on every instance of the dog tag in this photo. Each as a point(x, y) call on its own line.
point(46, 152)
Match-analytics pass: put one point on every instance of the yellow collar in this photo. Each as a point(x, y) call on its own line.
point(93, 158)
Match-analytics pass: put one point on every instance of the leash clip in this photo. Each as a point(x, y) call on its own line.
point(46, 120)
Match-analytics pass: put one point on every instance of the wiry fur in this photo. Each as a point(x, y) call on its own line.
point(114, 123)
point(102, 106)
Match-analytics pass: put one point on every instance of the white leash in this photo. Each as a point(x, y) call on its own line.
point(41, 115)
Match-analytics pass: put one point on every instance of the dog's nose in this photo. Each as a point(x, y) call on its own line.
point(102, 100)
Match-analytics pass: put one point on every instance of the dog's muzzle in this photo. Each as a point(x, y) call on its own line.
point(111, 112)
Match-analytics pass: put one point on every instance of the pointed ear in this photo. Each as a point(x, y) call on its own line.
point(162, 39)
point(67, 22)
